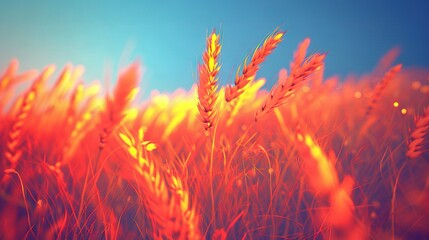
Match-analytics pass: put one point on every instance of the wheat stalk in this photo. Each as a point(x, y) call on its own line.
point(320, 170)
point(287, 85)
point(166, 196)
point(80, 127)
point(250, 70)
point(10, 79)
point(6, 78)
point(181, 194)
point(299, 55)
point(245, 98)
point(115, 112)
point(381, 86)
point(117, 104)
point(65, 82)
point(13, 153)
point(207, 84)
point(415, 147)
point(317, 165)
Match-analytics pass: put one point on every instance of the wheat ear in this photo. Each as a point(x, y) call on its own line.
point(7, 76)
point(250, 70)
point(166, 195)
point(415, 147)
point(208, 81)
point(286, 85)
point(14, 138)
point(117, 104)
point(10, 79)
point(299, 55)
point(381, 86)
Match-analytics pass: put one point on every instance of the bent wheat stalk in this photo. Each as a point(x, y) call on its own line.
point(286, 86)
point(250, 70)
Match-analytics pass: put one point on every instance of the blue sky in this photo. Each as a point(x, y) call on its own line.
point(169, 36)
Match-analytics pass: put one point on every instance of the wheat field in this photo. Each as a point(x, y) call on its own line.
point(311, 158)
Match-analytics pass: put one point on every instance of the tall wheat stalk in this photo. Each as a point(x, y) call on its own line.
point(207, 84)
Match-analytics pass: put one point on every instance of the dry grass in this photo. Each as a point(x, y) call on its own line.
point(313, 166)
